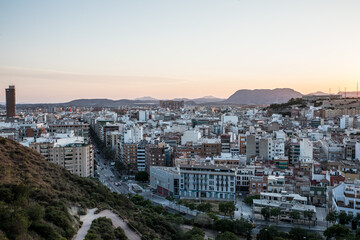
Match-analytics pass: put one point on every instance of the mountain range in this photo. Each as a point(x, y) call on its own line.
point(240, 97)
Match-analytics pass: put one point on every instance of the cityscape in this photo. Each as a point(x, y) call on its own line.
point(184, 120)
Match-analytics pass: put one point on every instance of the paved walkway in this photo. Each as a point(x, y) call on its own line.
point(116, 220)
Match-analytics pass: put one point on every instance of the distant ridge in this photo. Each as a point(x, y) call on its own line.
point(318, 93)
point(240, 97)
point(262, 96)
point(146, 98)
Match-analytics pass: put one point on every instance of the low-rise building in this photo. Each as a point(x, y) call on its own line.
point(286, 202)
point(165, 180)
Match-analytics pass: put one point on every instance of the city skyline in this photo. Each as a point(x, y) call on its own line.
point(53, 51)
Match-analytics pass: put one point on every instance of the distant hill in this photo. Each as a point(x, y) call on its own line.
point(240, 97)
point(262, 96)
point(207, 99)
point(147, 98)
point(318, 93)
point(108, 102)
point(36, 195)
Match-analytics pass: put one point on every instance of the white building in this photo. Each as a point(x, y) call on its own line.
point(143, 115)
point(357, 151)
point(346, 197)
point(190, 136)
point(229, 119)
point(207, 182)
point(276, 184)
point(306, 148)
point(133, 134)
point(243, 176)
point(346, 122)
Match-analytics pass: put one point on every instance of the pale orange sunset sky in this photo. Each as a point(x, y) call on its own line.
point(56, 51)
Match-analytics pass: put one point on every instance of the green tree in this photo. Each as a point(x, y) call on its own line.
point(142, 176)
point(21, 195)
point(203, 220)
point(35, 212)
point(243, 228)
point(120, 167)
point(226, 236)
point(227, 208)
point(295, 215)
point(249, 199)
point(191, 205)
point(204, 207)
point(265, 212)
point(357, 233)
point(195, 234)
point(298, 234)
point(275, 212)
point(344, 218)
point(14, 223)
point(120, 234)
point(337, 231)
point(213, 216)
point(314, 236)
point(309, 215)
point(223, 225)
point(332, 217)
point(270, 233)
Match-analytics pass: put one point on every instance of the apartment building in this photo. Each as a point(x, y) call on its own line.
point(210, 149)
point(346, 197)
point(276, 184)
point(154, 156)
point(207, 182)
point(79, 129)
point(70, 152)
point(130, 156)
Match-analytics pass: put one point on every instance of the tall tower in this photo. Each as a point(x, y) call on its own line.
point(10, 102)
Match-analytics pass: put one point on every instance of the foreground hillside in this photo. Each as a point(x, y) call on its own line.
point(35, 198)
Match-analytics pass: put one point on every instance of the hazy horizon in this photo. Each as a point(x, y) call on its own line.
point(57, 51)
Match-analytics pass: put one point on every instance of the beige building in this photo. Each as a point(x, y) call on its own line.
point(71, 153)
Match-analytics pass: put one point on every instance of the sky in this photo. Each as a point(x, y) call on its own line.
point(55, 51)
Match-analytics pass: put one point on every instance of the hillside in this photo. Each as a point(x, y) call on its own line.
point(35, 196)
point(262, 96)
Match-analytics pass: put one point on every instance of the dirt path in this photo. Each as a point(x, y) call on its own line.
point(116, 220)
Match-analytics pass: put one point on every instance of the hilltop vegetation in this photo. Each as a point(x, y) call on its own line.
point(35, 196)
